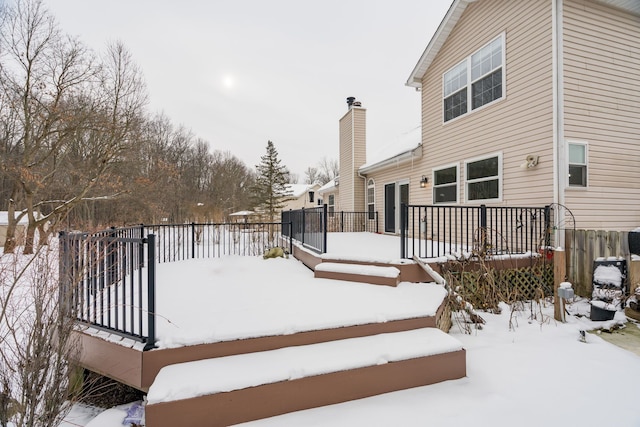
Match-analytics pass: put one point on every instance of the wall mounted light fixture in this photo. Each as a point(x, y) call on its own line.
point(424, 181)
point(530, 162)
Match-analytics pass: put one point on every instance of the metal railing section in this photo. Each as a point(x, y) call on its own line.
point(435, 231)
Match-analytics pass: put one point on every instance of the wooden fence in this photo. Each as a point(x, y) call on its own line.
point(584, 246)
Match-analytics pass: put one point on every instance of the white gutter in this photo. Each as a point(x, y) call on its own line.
point(396, 160)
point(560, 170)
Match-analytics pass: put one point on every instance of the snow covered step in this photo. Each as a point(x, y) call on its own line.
point(373, 274)
point(240, 388)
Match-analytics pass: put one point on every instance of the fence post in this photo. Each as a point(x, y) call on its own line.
point(111, 257)
point(304, 228)
point(193, 239)
point(63, 274)
point(547, 226)
point(324, 228)
point(403, 232)
point(376, 216)
point(483, 229)
point(290, 236)
point(141, 248)
point(151, 292)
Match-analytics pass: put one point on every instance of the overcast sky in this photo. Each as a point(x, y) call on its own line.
point(241, 72)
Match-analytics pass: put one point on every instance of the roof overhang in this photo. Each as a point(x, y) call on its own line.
point(398, 159)
point(453, 16)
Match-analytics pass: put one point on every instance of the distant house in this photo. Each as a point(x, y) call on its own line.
point(20, 228)
point(523, 104)
point(301, 196)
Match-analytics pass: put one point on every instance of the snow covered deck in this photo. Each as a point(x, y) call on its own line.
point(216, 307)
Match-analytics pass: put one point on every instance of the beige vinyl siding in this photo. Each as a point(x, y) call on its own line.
point(405, 172)
point(346, 161)
point(359, 158)
point(515, 126)
point(352, 156)
point(602, 108)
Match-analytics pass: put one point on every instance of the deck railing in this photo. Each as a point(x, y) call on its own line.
point(109, 277)
point(350, 222)
point(435, 231)
point(308, 226)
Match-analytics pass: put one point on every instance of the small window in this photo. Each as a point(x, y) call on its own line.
point(577, 165)
point(331, 205)
point(311, 195)
point(371, 199)
point(483, 178)
point(445, 185)
point(319, 202)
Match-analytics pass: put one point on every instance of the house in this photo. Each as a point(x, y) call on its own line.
point(21, 227)
point(523, 104)
point(301, 196)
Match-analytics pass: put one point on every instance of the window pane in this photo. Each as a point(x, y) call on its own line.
point(445, 193)
point(482, 168)
point(371, 212)
point(445, 176)
point(487, 89)
point(455, 78)
point(577, 154)
point(486, 59)
point(483, 190)
point(455, 105)
point(577, 175)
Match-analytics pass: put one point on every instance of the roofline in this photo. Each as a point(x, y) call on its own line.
point(400, 158)
point(453, 16)
point(442, 33)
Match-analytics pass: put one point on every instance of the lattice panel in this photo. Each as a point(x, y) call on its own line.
point(485, 288)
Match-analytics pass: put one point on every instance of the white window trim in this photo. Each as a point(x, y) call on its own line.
point(372, 185)
point(433, 180)
point(586, 160)
point(500, 178)
point(471, 110)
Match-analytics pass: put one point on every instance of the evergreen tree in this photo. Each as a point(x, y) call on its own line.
point(270, 190)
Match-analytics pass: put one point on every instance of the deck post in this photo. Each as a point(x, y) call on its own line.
point(324, 228)
point(403, 231)
point(151, 292)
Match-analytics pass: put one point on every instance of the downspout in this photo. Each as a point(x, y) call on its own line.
point(560, 167)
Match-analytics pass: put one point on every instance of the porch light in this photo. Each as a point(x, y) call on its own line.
point(424, 181)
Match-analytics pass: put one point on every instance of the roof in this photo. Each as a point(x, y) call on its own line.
point(453, 16)
point(329, 186)
point(4, 218)
point(297, 190)
point(401, 149)
point(242, 213)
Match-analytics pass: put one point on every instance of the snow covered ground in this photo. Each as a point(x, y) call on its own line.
point(522, 369)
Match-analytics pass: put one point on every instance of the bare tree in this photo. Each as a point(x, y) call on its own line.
point(75, 116)
point(36, 342)
point(328, 169)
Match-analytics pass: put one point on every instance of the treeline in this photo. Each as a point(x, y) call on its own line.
point(79, 147)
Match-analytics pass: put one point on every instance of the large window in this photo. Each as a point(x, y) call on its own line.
point(476, 81)
point(445, 185)
point(483, 178)
point(577, 164)
point(371, 199)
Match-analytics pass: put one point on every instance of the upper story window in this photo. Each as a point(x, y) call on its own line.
point(331, 204)
point(371, 199)
point(445, 185)
point(577, 164)
point(483, 178)
point(476, 81)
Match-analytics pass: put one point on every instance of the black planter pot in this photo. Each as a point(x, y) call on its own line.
point(634, 242)
point(600, 314)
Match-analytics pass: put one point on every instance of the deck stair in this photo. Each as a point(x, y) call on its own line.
point(373, 274)
point(245, 387)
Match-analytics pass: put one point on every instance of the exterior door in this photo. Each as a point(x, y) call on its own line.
point(390, 208)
